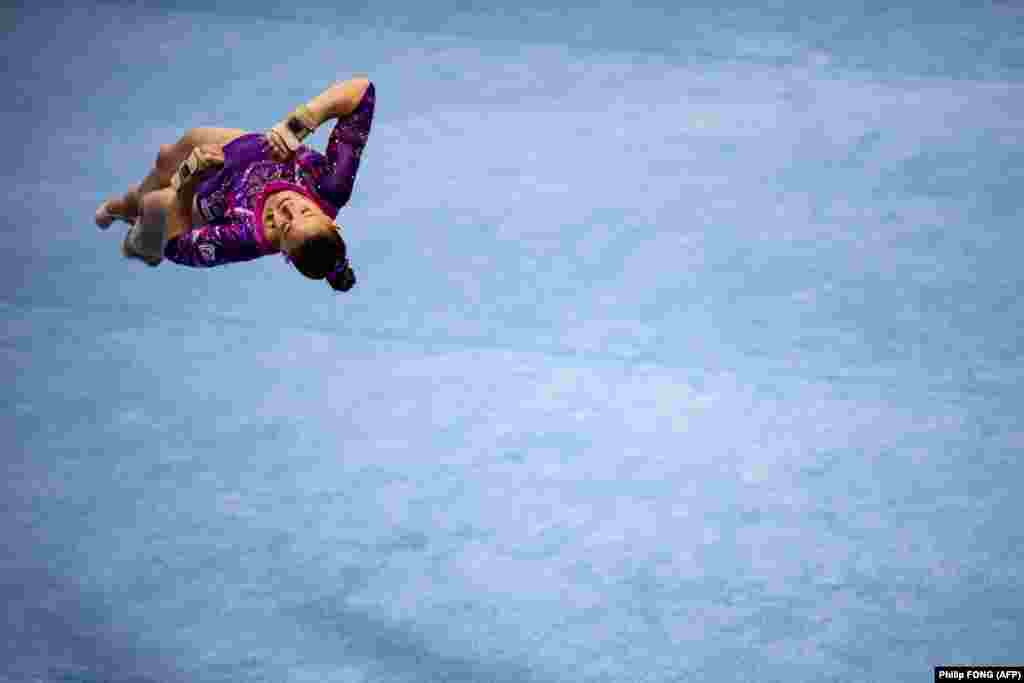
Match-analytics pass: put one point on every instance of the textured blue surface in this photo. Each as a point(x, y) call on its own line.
point(687, 346)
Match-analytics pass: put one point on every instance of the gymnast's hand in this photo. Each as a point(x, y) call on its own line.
point(286, 137)
point(279, 150)
point(210, 156)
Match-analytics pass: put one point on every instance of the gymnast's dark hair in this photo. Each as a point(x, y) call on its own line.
point(325, 257)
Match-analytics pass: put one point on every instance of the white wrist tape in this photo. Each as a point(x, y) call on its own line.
point(296, 127)
point(187, 169)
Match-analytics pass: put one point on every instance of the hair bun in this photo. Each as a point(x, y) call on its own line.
point(342, 279)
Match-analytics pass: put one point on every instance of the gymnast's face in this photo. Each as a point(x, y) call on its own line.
point(294, 218)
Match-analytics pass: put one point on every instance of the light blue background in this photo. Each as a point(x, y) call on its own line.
point(687, 347)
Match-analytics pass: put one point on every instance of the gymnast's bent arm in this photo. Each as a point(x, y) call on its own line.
point(338, 100)
point(199, 163)
point(341, 99)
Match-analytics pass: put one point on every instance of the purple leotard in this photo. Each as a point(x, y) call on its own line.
point(231, 199)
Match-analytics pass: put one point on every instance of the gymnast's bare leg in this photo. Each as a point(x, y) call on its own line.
point(128, 206)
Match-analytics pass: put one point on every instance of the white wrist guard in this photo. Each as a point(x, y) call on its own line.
point(296, 127)
point(189, 168)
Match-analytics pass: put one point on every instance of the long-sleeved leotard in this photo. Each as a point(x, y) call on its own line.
point(231, 200)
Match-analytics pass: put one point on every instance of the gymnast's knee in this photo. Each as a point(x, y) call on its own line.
point(153, 205)
point(168, 158)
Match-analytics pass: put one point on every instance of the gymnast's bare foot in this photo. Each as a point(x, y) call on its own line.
point(124, 208)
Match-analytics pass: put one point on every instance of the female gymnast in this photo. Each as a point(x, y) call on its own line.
point(221, 195)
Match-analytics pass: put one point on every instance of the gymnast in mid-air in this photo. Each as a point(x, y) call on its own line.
point(221, 195)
